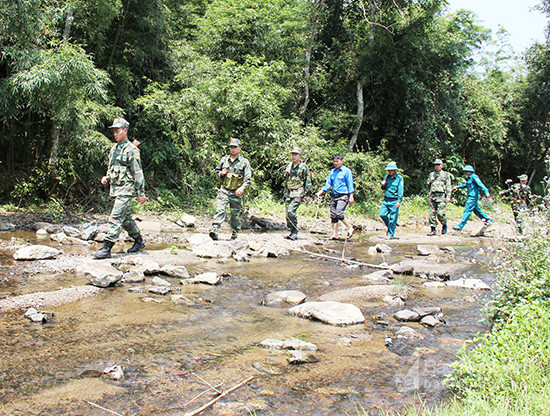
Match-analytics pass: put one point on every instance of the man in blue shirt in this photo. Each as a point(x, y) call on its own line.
point(340, 180)
point(393, 196)
point(473, 185)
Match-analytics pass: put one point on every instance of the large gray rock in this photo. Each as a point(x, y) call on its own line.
point(72, 231)
point(290, 344)
point(186, 221)
point(175, 271)
point(408, 333)
point(301, 357)
point(8, 227)
point(36, 252)
point(284, 297)
point(50, 228)
point(89, 230)
point(157, 281)
point(133, 276)
point(102, 274)
point(160, 290)
point(383, 248)
point(371, 293)
point(379, 276)
point(426, 250)
point(407, 315)
point(332, 313)
point(210, 278)
point(430, 310)
point(431, 320)
point(473, 284)
point(212, 250)
point(427, 269)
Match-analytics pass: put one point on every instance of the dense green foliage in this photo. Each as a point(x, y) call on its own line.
point(391, 80)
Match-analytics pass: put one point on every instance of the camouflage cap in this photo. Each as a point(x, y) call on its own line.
point(523, 177)
point(438, 162)
point(296, 149)
point(120, 123)
point(235, 142)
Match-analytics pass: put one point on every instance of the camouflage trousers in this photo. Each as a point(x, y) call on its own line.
point(519, 209)
point(438, 205)
point(120, 218)
point(226, 197)
point(291, 206)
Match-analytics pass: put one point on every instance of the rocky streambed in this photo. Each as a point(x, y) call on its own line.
point(305, 332)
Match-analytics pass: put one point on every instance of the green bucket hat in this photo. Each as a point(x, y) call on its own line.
point(296, 149)
point(235, 142)
point(392, 166)
point(120, 123)
point(468, 168)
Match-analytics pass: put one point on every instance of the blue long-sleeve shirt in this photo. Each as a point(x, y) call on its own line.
point(340, 180)
point(473, 185)
point(394, 187)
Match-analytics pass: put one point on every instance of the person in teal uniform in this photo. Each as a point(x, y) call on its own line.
point(393, 197)
point(473, 186)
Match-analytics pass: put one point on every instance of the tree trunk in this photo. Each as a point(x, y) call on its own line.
point(306, 88)
point(68, 24)
point(54, 141)
point(119, 32)
point(360, 114)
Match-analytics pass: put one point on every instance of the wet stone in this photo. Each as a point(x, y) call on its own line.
point(284, 297)
point(39, 316)
point(160, 290)
point(427, 250)
point(379, 276)
point(89, 230)
point(50, 228)
point(473, 284)
point(7, 227)
point(210, 278)
point(241, 256)
point(71, 231)
point(431, 321)
point(301, 357)
point(426, 311)
point(41, 232)
point(383, 248)
point(291, 344)
point(136, 290)
point(407, 315)
point(114, 372)
point(330, 312)
point(409, 333)
point(102, 274)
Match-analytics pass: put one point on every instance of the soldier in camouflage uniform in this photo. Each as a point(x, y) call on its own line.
point(297, 186)
point(126, 179)
point(521, 199)
point(235, 175)
point(439, 182)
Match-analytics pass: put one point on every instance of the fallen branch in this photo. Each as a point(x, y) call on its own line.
point(200, 394)
point(103, 408)
point(359, 263)
point(225, 393)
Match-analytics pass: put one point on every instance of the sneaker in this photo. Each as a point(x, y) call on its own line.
point(213, 235)
point(456, 227)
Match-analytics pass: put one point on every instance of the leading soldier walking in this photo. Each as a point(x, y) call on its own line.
point(125, 176)
point(520, 194)
point(235, 175)
point(297, 186)
point(439, 182)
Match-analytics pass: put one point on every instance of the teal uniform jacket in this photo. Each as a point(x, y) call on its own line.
point(473, 186)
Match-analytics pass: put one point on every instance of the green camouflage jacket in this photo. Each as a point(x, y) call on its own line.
point(124, 172)
point(520, 194)
point(297, 181)
point(238, 172)
point(441, 183)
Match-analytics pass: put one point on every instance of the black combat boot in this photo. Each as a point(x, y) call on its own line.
point(213, 235)
point(433, 232)
point(138, 244)
point(105, 251)
point(444, 229)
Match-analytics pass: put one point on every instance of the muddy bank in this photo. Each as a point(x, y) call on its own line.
point(215, 332)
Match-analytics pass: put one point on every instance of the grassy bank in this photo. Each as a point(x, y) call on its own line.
point(507, 371)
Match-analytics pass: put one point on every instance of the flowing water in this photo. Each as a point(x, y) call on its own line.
point(165, 347)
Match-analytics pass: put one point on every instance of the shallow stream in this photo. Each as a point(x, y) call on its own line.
point(165, 347)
